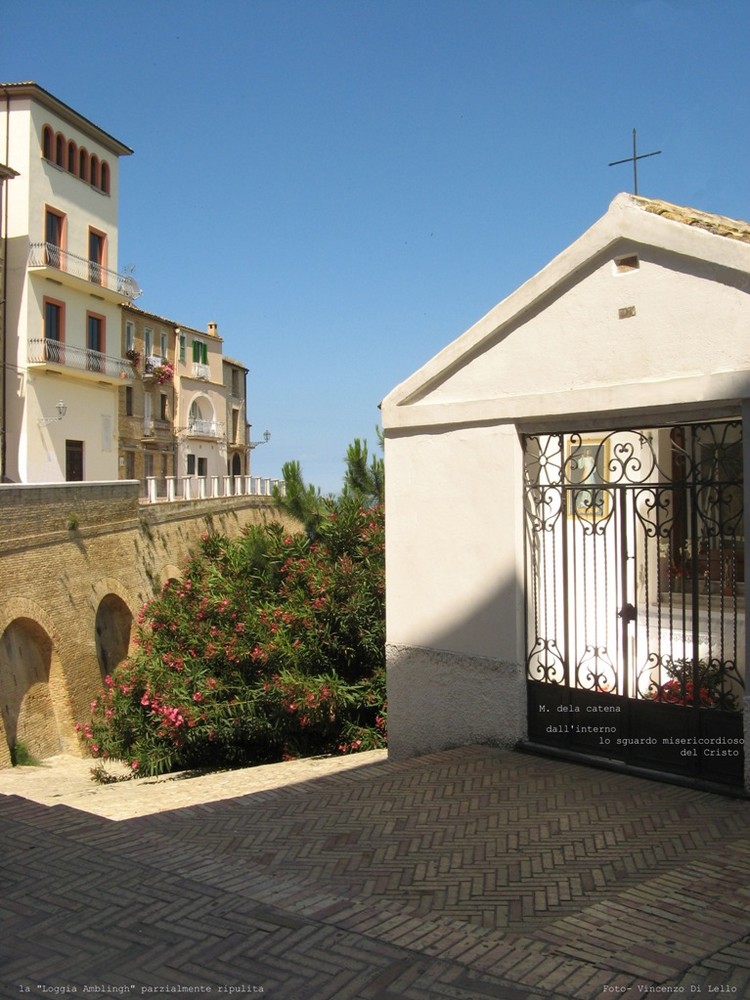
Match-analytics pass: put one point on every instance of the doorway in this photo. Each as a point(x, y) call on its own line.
point(635, 583)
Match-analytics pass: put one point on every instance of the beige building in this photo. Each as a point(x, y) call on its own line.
point(235, 392)
point(201, 404)
point(147, 432)
point(63, 365)
point(565, 506)
point(183, 415)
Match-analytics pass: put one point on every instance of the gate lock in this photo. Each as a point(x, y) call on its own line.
point(627, 613)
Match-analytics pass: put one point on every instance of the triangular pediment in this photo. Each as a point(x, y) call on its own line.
point(651, 292)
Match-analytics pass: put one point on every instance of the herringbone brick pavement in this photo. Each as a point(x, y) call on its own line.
point(469, 874)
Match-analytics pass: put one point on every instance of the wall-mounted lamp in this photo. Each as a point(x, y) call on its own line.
point(61, 408)
point(266, 439)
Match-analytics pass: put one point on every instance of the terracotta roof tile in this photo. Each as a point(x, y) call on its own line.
point(720, 225)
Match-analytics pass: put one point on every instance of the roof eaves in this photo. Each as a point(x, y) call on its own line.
point(31, 89)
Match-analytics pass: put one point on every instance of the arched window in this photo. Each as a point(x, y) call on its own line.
point(105, 177)
point(94, 171)
point(60, 149)
point(72, 157)
point(83, 164)
point(47, 140)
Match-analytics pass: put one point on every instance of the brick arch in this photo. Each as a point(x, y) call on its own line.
point(169, 572)
point(114, 611)
point(35, 706)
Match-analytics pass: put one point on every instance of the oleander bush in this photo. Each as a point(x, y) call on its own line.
point(270, 646)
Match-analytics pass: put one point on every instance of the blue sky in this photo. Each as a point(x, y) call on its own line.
point(345, 186)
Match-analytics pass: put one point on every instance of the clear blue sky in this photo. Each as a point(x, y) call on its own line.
point(345, 186)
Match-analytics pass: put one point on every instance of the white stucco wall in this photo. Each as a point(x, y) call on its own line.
point(91, 418)
point(455, 589)
point(557, 354)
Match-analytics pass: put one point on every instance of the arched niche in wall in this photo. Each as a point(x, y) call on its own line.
point(114, 623)
point(27, 699)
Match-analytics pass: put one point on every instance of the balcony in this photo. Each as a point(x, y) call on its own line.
point(205, 428)
point(77, 272)
point(56, 355)
point(202, 372)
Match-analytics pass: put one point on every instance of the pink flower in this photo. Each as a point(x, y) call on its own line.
point(109, 681)
point(135, 765)
point(144, 700)
point(197, 696)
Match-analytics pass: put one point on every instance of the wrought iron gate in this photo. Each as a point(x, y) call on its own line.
point(635, 596)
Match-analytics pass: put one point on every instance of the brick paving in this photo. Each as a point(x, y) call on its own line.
point(467, 874)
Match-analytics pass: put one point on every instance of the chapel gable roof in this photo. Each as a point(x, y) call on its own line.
point(631, 224)
point(720, 225)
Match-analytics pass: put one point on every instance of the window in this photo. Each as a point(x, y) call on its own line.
point(129, 336)
point(191, 465)
point(74, 461)
point(163, 344)
point(163, 406)
point(148, 342)
point(202, 466)
point(95, 360)
point(54, 226)
point(54, 237)
point(235, 425)
point(195, 417)
point(97, 247)
point(200, 353)
point(54, 316)
point(129, 404)
point(66, 154)
point(148, 465)
point(183, 341)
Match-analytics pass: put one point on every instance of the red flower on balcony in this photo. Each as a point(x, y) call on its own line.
point(164, 372)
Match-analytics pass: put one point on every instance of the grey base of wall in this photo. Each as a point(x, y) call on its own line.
point(438, 699)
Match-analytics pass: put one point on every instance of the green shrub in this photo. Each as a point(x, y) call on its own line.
point(21, 756)
point(271, 646)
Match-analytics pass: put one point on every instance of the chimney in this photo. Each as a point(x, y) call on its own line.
point(213, 329)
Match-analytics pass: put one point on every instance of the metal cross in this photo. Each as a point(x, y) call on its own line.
point(634, 160)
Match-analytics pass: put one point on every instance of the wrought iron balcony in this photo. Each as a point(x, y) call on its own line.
point(55, 352)
point(49, 255)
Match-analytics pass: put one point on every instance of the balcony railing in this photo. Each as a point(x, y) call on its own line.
point(49, 255)
point(79, 358)
point(201, 371)
point(205, 428)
